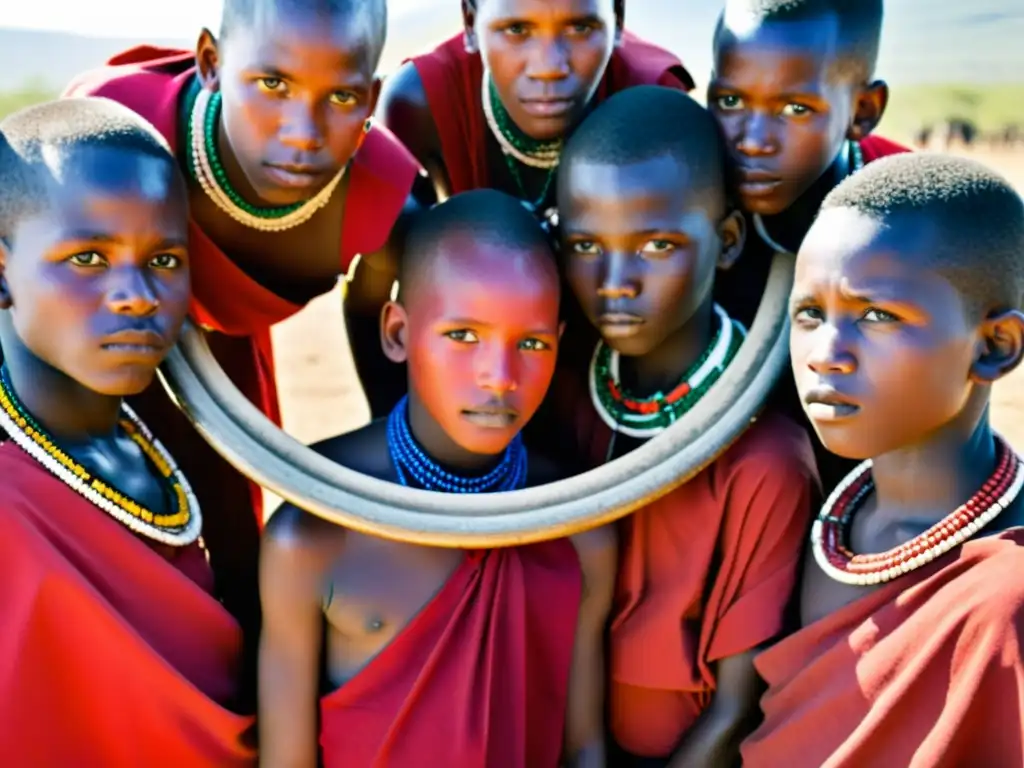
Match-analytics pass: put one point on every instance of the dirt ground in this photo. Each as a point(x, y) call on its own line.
point(320, 395)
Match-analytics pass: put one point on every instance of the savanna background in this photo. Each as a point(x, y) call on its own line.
point(956, 70)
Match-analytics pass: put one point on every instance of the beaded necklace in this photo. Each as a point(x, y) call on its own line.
point(412, 463)
point(856, 163)
point(518, 148)
point(201, 115)
point(830, 536)
point(644, 417)
point(177, 529)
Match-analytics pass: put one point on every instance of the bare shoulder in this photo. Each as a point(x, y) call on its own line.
point(405, 110)
point(363, 450)
point(543, 470)
point(294, 531)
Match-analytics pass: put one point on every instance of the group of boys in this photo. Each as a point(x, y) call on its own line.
point(235, 183)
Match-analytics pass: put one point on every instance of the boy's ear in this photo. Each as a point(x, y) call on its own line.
point(733, 234)
point(207, 59)
point(1001, 347)
point(5, 293)
point(394, 337)
point(868, 110)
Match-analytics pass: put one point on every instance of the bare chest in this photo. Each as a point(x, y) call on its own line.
point(372, 595)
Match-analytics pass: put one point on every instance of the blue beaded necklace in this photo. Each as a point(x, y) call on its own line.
point(412, 463)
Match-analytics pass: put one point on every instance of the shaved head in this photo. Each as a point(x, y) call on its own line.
point(37, 142)
point(859, 25)
point(974, 217)
point(674, 125)
point(463, 223)
point(368, 17)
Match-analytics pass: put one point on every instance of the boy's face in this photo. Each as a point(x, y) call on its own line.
point(641, 245)
point(296, 94)
point(481, 341)
point(881, 344)
point(783, 107)
point(97, 284)
point(546, 57)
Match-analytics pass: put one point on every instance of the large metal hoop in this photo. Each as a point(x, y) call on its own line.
point(258, 449)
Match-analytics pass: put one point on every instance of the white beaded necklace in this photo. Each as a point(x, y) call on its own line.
point(546, 159)
point(208, 181)
point(180, 538)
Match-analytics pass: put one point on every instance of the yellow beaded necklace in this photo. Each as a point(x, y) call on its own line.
point(180, 528)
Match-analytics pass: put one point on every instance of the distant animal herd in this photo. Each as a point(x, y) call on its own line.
point(957, 131)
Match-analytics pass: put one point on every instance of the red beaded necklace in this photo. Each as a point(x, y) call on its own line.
point(831, 532)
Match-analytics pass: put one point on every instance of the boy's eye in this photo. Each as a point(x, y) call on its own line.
point(271, 84)
point(657, 248)
point(343, 98)
point(729, 102)
point(808, 314)
point(515, 30)
point(166, 261)
point(534, 345)
point(880, 316)
point(87, 259)
point(462, 336)
point(586, 248)
point(581, 28)
point(796, 110)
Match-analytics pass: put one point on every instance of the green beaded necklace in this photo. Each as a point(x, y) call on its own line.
point(210, 121)
point(644, 417)
point(520, 149)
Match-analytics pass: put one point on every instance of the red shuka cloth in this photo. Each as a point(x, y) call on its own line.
point(150, 81)
point(478, 678)
point(705, 572)
point(452, 78)
point(111, 655)
point(924, 672)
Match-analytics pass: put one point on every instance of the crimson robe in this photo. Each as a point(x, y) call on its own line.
point(112, 655)
point(151, 81)
point(479, 677)
point(705, 572)
point(452, 80)
point(927, 671)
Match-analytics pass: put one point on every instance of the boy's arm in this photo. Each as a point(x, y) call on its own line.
point(714, 740)
point(584, 734)
point(291, 577)
point(404, 109)
point(367, 289)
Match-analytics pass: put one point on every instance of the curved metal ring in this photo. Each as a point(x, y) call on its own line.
point(258, 449)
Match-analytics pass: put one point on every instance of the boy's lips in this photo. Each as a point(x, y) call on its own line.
point(619, 324)
point(491, 418)
point(757, 182)
point(828, 404)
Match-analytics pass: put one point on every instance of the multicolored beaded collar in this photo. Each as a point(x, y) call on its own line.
point(202, 112)
point(177, 529)
point(412, 463)
point(645, 417)
point(518, 148)
point(830, 536)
